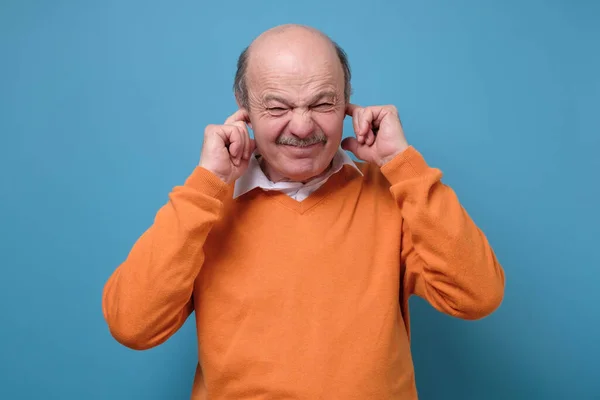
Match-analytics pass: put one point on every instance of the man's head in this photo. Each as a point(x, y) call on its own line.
point(295, 83)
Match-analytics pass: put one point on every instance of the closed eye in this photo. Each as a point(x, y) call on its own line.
point(323, 106)
point(277, 111)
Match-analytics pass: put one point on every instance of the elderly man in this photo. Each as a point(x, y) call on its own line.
point(298, 262)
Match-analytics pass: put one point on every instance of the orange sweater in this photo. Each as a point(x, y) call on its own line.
point(304, 300)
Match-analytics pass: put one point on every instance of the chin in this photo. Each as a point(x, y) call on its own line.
point(303, 170)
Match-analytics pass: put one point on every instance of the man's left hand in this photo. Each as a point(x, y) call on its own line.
point(379, 133)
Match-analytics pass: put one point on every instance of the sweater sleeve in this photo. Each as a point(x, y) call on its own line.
point(448, 261)
point(149, 296)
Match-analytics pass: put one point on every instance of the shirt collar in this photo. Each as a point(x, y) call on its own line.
point(254, 177)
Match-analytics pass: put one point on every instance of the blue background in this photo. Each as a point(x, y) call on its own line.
point(102, 109)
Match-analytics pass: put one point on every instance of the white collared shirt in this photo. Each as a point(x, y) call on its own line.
point(254, 177)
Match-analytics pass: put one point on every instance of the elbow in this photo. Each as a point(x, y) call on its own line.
point(482, 302)
point(139, 331)
point(128, 331)
point(125, 326)
point(128, 336)
point(483, 306)
point(141, 327)
point(484, 293)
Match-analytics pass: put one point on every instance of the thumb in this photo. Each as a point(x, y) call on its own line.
point(360, 151)
point(352, 145)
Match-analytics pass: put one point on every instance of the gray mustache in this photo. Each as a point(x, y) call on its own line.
point(293, 141)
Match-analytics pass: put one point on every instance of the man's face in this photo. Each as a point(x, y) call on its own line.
point(297, 110)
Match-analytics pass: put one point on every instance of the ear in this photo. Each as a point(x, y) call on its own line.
point(239, 104)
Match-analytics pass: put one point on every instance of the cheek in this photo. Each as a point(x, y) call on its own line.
point(330, 124)
point(268, 129)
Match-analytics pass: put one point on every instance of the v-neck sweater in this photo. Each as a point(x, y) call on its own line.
point(304, 300)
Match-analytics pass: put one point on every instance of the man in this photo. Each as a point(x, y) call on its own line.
point(298, 262)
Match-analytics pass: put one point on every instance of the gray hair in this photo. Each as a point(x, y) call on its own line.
point(240, 86)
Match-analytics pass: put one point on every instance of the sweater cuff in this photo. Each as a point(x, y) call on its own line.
point(206, 182)
point(408, 164)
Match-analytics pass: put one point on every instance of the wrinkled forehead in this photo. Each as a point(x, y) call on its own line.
point(298, 76)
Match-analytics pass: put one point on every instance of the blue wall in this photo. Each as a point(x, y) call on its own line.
point(102, 109)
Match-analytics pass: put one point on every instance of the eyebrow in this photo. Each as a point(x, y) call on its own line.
point(320, 95)
point(274, 97)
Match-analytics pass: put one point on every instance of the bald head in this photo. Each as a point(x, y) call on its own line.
point(291, 48)
point(290, 31)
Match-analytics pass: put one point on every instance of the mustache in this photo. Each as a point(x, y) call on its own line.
point(298, 142)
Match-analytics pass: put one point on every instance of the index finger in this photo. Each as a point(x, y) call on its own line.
point(351, 108)
point(239, 115)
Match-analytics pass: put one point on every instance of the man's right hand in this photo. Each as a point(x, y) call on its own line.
point(227, 148)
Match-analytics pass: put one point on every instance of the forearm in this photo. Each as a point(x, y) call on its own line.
point(149, 296)
point(448, 259)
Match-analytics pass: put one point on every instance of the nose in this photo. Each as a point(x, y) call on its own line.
point(301, 124)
